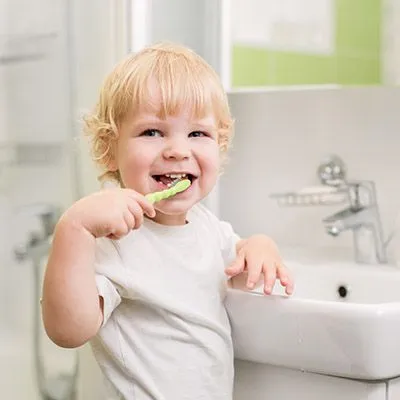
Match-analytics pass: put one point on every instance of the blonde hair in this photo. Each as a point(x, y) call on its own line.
point(183, 79)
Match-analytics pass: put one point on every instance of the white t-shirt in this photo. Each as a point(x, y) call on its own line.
point(166, 334)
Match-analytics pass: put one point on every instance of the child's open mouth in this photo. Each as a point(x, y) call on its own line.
point(167, 180)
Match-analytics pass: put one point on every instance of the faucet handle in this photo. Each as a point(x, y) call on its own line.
point(48, 215)
point(36, 223)
point(361, 194)
point(332, 171)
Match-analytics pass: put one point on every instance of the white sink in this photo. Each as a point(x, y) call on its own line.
point(316, 330)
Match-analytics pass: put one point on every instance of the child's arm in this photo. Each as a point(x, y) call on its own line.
point(71, 307)
point(72, 313)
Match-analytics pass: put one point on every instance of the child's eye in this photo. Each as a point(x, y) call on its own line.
point(151, 133)
point(197, 134)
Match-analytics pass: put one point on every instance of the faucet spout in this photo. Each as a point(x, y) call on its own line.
point(346, 219)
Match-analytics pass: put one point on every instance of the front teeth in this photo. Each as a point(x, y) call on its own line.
point(176, 176)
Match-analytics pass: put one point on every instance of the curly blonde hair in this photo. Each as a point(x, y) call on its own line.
point(183, 79)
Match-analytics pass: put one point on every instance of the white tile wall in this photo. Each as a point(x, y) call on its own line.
point(391, 42)
point(281, 136)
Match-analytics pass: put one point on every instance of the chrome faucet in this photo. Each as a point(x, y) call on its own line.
point(35, 247)
point(47, 215)
point(362, 217)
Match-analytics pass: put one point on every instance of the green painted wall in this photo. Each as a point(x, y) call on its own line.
point(356, 60)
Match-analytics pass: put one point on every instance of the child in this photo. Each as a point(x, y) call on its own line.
point(146, 283)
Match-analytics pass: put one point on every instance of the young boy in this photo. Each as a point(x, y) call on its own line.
point(146, 283)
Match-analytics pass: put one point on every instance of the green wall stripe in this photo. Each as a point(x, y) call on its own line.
point(356, 59)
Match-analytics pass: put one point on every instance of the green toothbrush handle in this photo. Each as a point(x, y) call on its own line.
point(157, 196)
point(167, 193)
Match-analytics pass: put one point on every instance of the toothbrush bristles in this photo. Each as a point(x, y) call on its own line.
point(174, 182)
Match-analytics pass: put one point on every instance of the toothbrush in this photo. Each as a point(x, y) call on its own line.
point(177, 187)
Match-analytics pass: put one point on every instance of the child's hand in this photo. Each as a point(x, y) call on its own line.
point(258, 260)
point(112, 213)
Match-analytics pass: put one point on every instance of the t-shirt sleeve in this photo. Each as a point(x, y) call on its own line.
point(110, 275)
point(228, 240)
point(226, 236)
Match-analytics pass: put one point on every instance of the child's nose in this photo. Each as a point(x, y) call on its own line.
point(178, 149)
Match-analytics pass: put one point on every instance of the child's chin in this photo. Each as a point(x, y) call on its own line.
point(174, 208)
point(171, 215)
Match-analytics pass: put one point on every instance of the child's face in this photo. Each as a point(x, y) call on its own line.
point(150, 149)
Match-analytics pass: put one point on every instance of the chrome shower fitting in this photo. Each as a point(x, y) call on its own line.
point(36, 248)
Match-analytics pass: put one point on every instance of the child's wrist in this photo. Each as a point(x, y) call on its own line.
point(70, 225)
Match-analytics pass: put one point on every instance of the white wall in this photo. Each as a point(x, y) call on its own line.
point(181, 21)
point(35, 114)
point(41, 102)
point(293, 26)
point(281, 137)
point(391, 42)
point(94, 54)
point(36, 127)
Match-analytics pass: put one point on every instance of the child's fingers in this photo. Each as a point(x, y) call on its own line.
point(285, 279)
point(129, 218)
point(269, 271)
point(237, 266)
point(254, 268)
point(118, 230)
point(137, 212)
point(145, 204)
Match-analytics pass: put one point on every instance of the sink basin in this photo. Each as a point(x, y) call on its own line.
point(343, 320)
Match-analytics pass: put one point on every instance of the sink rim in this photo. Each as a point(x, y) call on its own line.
point(373, 335)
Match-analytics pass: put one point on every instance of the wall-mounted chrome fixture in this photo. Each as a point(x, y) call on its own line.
point(36, 248)
point(361, 216)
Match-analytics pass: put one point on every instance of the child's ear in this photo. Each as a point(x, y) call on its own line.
point(112, 164)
